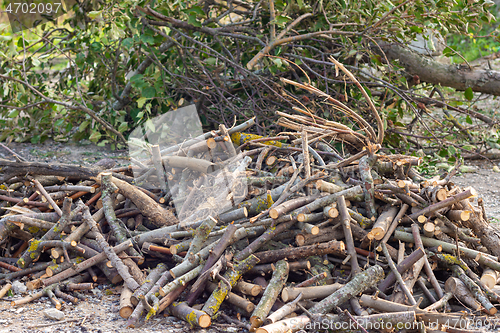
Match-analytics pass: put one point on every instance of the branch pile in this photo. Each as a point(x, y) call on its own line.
point(319, 236)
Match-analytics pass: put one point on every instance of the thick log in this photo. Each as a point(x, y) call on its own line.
point(247, 288)
point(383, 222)
point(148, 207)
point(332, 247)
point(126, 307)
point(273, 289)
point(242, 303)
point(194, 317)
point(290, 293)
point(215, 300)
point(460, 291)
point(358, 283)
point(489, 277)
point(459, 77)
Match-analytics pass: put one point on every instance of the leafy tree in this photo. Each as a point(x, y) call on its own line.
point(105, 67)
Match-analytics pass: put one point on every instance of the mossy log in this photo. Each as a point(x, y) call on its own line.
point(273, 289)
point(215, 300)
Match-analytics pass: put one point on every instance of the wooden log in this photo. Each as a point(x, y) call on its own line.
point(458, 215)
point(126, 307)
point(290, 293)
point(265, 237)
point(269, 268)
point(460, 291)
point(148, 206)
point(323, 186)
point(475, 290)
point(330, 212)
point(284, 311)
point(332, 247)
point(181, 280)
point(234, 299)
point(489, 277)
point(194, 317)
point(273, 289)
point(440, 303)
point(150, 280)
point(312, 280)
point(365, 165)
point(248, 288)
point(214, 255)
point(427, 266)
point(215, 300)
point(5, 289)
point(112, 256)
point(447, 247)
point(358, 283)
point(442, 204)
point(402, 267)
point(324, 236)
point(34, 251)
point(429, 229)
point(383, 222)
point(108, 188)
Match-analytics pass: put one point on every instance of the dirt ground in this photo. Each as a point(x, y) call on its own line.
point(100, 312)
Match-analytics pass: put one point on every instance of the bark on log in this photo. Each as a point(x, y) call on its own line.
point(402, 267)
point(215, 300)
point(243, 304)
point(192, 316)
point(332, 247)
point(383, 222)
point(126, 307)
point(290, 293)
point(112, 256)
point(455, 76)
point(273, 289)
point(158, 215)
point(460, 291)
point(358, 283)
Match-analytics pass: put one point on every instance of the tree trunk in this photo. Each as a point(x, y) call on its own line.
point(455, 76)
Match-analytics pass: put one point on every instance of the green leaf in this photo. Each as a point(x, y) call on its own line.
point(148, 39)
point(94, 14)
point(468, 120)
point(210, 61)
point(83, 126)
point(149, 125)
point(123, 127)
point(193, 20)
point(448, 52)
point(195, 10)
point(13, 113)
point(141, 101)
point(469, 94)
point(282, 20)
point(149, 92)
point(95, 136)
point(128, 43)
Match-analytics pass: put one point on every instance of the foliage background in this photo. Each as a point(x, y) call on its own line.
point(66, 79)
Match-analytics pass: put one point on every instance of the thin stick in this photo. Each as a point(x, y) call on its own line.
point(398, 276)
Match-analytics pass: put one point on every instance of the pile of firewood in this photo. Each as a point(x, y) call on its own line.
point(316, 238)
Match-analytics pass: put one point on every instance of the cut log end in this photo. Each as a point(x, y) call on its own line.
point(125, 312)
point(204, 321)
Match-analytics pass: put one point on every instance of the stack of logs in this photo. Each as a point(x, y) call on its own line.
point(320, 241)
